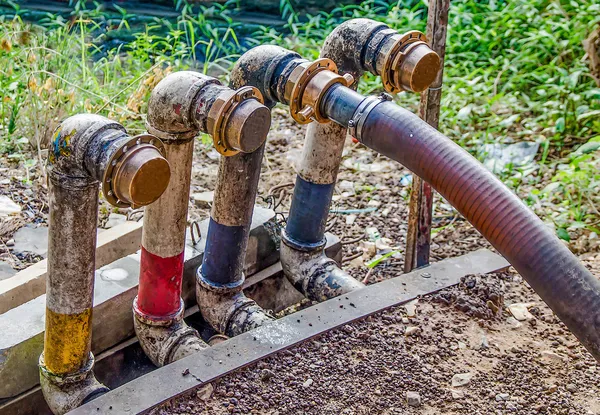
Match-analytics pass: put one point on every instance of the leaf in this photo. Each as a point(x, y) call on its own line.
point(563, 234)
point(374, 262)
point(560, 125)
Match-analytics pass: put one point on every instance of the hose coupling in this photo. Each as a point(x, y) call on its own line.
point(408, 63)
point(64, 393)
point(357, 121)
point(234, 119)
point(306, 87)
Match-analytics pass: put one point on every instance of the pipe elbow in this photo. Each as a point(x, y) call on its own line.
point(227, 309)
point(315, 275)
point(262, 67)
point(172, 106)
point(63, 393)
point(165, 342)
point(88, 148)
point(404, 61)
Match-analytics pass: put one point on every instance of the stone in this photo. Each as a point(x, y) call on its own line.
point(550, 357)
point(114, 219)
point(411, 308)
point(203, 199)
point(456, 395)
point(8, 207)
point(350, 219)
point(266, 375)
point(461, 379)
point(502, 397)
point(513, 322)
point(412, 331)
point(205, 392)
point(485, 344)
point(413, 399)
point(571, 387)
point(31, 240)
point(346, 186)
point(307, 383)
point(6, 271)
point(520, 311)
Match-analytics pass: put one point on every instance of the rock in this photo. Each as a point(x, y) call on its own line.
point(374, 203)
point(456, 395)
point(412, 331)
point(8, 207)
point(205, 392)
point(502, 397)
point(513, 322)
point(203, 199)
point(461, 379)
point(411, 308)
point(462, 345)
point(520, 311)
point(6, 271)
point(350, 219)
point(346, 186)
point(571, 387)
point(307, 383)
point(32, 240)
point(413, 399)
point(373, 234)
point(484, 345)
point(550, 357)
point(115, 219)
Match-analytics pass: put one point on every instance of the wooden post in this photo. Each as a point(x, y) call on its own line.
point(418, 238)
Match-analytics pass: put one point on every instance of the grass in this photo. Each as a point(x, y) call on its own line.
point(515, 71)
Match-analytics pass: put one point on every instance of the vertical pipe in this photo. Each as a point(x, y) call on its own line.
point(70, 283)
point(221, 276)
point(418, 238)
point(163, 239)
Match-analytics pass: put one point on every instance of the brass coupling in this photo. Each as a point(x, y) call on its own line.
point(137, 172)
point(228, 122)
point(306, 87)
point(409, 64)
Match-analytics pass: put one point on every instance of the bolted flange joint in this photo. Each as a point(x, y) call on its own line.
point(306, 86)
point(64, 393)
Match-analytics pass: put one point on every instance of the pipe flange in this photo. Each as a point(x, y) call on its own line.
point(306, 86)
point(218, 288)
point(362, 112)
point(390, 76)
point(110, 182)
point(218, 116)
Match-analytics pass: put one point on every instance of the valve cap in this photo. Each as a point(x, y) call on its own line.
point(419, 68)
point(248, 126)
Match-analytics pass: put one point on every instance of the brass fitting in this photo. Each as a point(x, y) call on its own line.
point(409, 64)
point(137, 173)
point(236, 121)
point(306, 86)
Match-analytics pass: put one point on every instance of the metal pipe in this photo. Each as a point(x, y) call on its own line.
point(86, 150)
point(181, 105)
point(220, 278)
point(555, 274)
point(404, 61)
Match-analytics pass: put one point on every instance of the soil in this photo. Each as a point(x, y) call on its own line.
point(374, 366)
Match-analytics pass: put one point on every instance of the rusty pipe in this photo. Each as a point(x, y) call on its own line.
point(220, 278)
point(86, 150)
point(182, 105)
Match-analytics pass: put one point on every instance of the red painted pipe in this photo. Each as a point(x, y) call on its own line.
point(160, 285)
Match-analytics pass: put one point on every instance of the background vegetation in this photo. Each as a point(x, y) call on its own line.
point(515, 71)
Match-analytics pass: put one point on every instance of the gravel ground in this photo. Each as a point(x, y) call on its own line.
point(377, 366)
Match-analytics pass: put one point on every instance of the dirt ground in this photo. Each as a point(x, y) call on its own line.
point(373, 366)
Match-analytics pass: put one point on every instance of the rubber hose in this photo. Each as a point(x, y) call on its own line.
point(556, 275)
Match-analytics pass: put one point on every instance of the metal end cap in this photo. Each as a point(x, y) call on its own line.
point(138, 173)
point(248, 126)
point(419, 68)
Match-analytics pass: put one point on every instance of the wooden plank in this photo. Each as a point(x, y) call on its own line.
point(112, 244)
point(418, 238)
